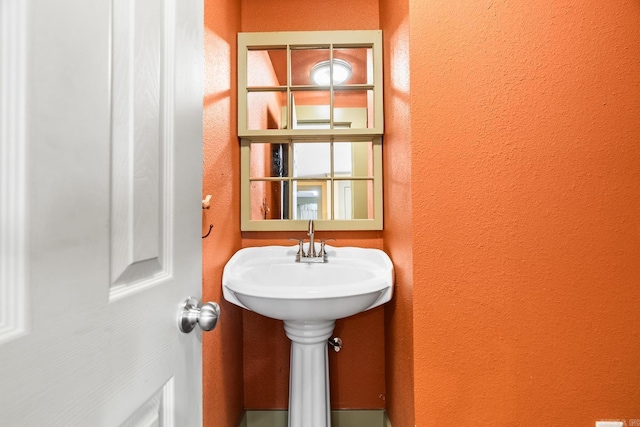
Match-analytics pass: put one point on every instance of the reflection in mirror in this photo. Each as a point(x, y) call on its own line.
point(311, 199)
point(328, 180)
point(353, 199)
point(266, 113)
point(310, 109)
point(267, 67)
point(336, 71)
point(302, 61)
point(353, 158)
point(269, 200)
point(270, 81)
point(361, 61)
point(362, 100)
point(269, 160)
point(301, 180)
point(312, 159)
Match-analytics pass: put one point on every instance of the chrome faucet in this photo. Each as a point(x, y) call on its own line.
point(311, 255)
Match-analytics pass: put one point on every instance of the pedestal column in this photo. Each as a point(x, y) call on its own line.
point(309, 404)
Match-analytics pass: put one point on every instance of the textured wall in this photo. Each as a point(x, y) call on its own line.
point(222, 348)
point(305, 15)
point(526, 201)
point(397, 235)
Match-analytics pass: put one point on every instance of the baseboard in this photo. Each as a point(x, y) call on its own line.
point(339, 418)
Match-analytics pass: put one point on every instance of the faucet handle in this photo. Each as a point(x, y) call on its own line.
point(300, 247)
point(322, 243)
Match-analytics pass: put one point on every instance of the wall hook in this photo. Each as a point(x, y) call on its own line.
point(206, 203)
point(208, 232)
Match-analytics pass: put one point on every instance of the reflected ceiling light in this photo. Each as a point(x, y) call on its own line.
point(321, 72)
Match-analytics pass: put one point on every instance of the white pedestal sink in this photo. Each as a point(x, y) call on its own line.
point(308, 297)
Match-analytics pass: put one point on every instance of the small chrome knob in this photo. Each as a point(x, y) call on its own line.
point(192, 313)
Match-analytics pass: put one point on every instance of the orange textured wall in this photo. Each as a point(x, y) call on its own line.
point(309, 15)
point(525, 122)
point(397, 235)
point(222, 348)
point(354, 384)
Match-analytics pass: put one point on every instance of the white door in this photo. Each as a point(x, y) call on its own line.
point(100, 211)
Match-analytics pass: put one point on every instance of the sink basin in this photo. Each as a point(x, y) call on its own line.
point(308, 297)
point(267, 280)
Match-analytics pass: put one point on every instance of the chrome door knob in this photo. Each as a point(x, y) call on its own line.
point(192, 313)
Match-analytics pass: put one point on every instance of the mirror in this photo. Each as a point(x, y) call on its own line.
point(310, 120)
point(286, 183)
point(312, 180)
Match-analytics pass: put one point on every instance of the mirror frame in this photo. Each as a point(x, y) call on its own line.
point(284, 40)
point(248, 224)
